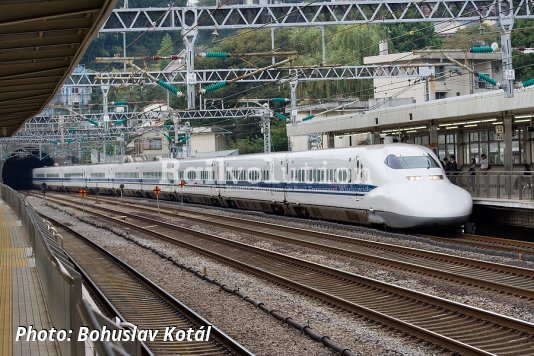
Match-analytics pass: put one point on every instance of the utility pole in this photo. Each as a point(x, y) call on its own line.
point(506, 23)
point(104, 86)
point(189, 33)
point(293, 82)
point(266, 130)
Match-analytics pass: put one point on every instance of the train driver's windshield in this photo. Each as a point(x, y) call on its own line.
point(410, 162)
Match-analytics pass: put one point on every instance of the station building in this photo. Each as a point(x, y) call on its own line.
point(449, 110)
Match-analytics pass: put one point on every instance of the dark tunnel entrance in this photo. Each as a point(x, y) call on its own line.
point(17, 171)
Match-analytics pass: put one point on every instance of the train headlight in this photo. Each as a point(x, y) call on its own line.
point(414, 178)
point(436, 177)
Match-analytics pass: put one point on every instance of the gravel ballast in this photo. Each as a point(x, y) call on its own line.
point(263, 334)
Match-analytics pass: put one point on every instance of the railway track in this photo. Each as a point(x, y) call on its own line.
point(454, 326)
point(521, 248)
point(137, 300)
point(491, 243)
point(495, 277)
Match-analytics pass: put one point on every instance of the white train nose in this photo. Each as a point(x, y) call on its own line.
point(442, 203)
point(426, 204)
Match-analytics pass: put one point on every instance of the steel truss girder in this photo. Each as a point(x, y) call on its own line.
point(207, 76)
point(309, 14)
point(37, 123)
point(44, 129)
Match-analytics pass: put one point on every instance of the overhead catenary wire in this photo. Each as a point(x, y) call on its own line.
point(360, 24)
point(288, 77)
point(369, 22)
point(308, 5)
point(360, 50)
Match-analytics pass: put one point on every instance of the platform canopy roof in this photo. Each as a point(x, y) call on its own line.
point(41, 41)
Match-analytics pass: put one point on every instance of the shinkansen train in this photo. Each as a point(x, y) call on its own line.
point(395, 185)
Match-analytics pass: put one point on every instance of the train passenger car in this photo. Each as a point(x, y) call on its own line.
point(73, 177)
point(201, 177)
point(398, 185)
point(127, 177)
point(250, 182)
point(99, 178)
point(39, 177)
point(316, 183)
point(395, 185)
point(160, 173)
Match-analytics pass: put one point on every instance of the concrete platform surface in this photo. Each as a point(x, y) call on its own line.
point(21, 299)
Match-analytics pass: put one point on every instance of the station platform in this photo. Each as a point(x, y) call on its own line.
point(505, 203)
point(492, 212)
point(21, 299)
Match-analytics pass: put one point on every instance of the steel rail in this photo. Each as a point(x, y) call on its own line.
point(454, 326)
point(139, 301)
point(488, 242)
point(495, 277)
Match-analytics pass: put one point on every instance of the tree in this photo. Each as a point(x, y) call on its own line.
point(345, 45)
point(407, 37)
point(248, 145)
point(472, 35)
point(279, 139)
point(166, 48)
point(523, 36)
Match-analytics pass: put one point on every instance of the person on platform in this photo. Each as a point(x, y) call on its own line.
point(524, 180)
point(472, 174)
point(451, 168)
point(484, 164)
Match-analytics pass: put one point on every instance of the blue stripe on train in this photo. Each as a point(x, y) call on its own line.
point(316, 188)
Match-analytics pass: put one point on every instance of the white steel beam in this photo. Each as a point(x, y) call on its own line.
point(310, 14)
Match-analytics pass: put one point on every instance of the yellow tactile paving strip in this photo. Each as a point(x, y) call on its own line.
point(21, 299)
point(6, 287)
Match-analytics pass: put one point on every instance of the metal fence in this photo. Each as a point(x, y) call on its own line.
point(517, 185)
point(61, 283)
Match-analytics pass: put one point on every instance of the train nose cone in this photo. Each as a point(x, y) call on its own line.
point(449, 202)
point(429, 204)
